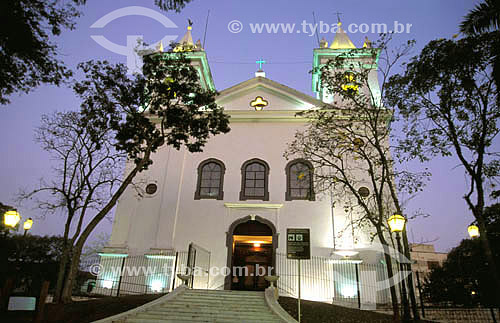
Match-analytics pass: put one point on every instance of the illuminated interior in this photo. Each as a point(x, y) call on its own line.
point(262, 240)
point(252, 251)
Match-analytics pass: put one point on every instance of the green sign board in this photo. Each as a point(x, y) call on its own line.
point(298, 244)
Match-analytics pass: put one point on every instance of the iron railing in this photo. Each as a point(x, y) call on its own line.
point(345, 283)
point(116, 275)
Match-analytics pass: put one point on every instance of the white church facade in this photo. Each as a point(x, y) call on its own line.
point(236, 199)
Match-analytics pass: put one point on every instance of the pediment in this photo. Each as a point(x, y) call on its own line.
point(279, 97)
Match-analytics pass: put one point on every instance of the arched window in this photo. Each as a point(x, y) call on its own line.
point(299, 180)
point(254, 180)
point(210, 180)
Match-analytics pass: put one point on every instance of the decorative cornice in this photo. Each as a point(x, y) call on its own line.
point(265, 116)
point(273, 86)
point(253, 206)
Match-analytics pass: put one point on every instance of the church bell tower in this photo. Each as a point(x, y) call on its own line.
point(356, 59)
point(196, 54)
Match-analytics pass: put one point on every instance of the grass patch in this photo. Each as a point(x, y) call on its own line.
point(318, 312)
point(84, 311)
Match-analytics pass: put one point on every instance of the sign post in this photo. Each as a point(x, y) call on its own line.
point(298, 247)
point(298, 305)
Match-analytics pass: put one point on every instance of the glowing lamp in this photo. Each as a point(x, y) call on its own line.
point(156, 285)
point(11, 218)
point(396, 223)
point(256, 245)
point(259, 103)
point(28, 224)
point(473, 231)
point(348, 291)
point(107, 284)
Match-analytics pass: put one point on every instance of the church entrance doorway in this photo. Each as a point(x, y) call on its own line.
point(252, 253)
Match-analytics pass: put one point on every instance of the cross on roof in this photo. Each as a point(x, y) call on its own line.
point(338, 15)
point(260, 62)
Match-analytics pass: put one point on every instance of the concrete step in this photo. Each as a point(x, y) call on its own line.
point(178, 319)
point(251, 296)
point(236, 298)
point(235, 311)
point(217, 301)
point(224, 295)
point(223, 291)
point(221, 315)
point(191, 306)
point(222, 298)
point(219, 307)
point(186, 320)
point(215, 306)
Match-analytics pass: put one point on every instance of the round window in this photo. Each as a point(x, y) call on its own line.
point(151, 188)
point(364, 191)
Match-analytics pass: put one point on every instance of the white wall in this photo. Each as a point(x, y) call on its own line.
point(206, 221)
point(172, 218)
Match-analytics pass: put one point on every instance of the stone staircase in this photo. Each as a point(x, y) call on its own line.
point(195, 305)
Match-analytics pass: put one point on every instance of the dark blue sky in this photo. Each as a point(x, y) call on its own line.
point(231, 57)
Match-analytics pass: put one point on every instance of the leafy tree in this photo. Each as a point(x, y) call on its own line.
point(3, 229)
point(464, 278)
point(492, 218)
point(446, 97)
point(30, 259)
point(175, 5)
point(86, 172)
point(28, 56)
point(482, 19)
point(348, 142)
point(120, 116)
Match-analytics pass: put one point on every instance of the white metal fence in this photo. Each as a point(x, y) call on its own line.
point(343, 282)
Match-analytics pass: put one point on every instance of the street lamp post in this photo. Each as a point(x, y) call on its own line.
point(27, 225)
point(397, 224)
point(11, 218)
point(473, 231)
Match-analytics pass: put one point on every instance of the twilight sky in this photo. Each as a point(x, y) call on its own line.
point(232, 59)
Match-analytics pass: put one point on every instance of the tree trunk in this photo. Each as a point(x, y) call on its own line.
point(77, 248)
point(409, 278)
point(390, 275)
point(66, 252)
point(61, 275)
point(483, 236)
point(392, 288)
point(72, 271)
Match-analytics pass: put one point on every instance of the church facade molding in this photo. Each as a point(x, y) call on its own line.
point(264, 84)
point(253, 206)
